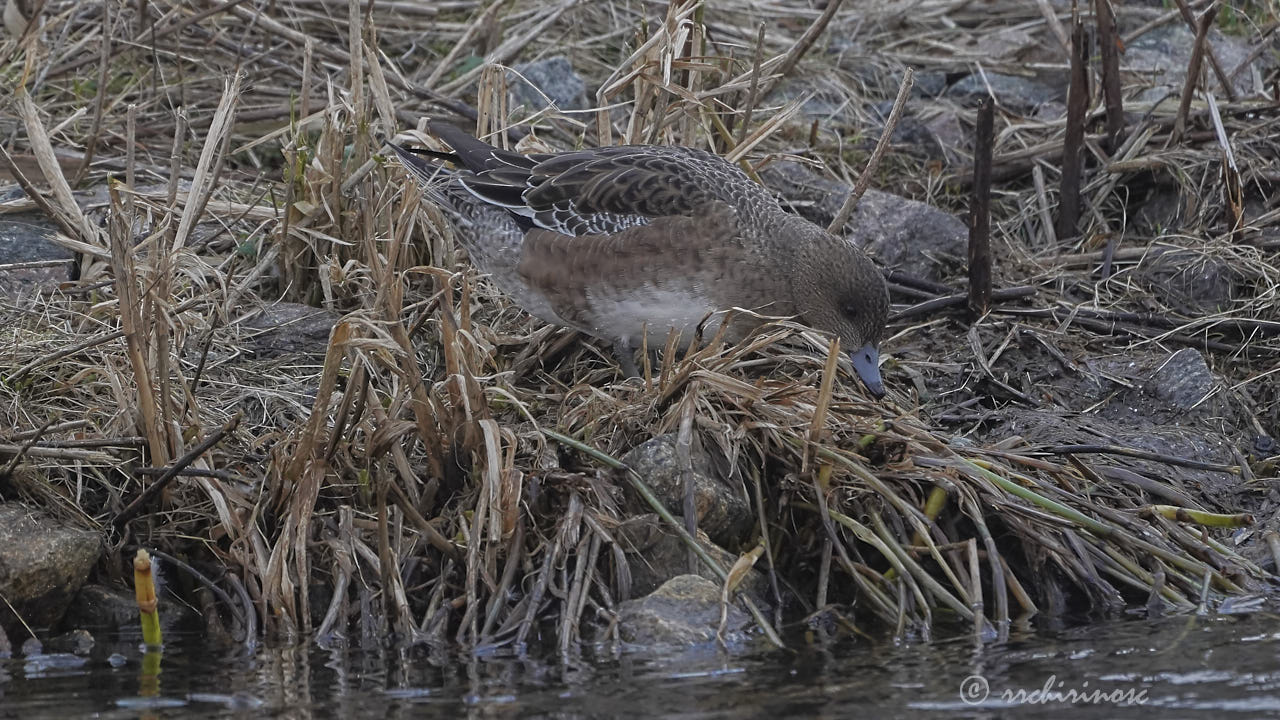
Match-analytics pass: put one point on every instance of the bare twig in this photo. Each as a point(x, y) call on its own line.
point(980, 214)
point(873, 162)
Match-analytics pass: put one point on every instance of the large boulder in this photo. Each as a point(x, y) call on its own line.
point(43, 562)
point(721, 508)
point(684, 611)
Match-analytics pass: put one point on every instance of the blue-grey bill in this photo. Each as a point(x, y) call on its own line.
point(866, 362)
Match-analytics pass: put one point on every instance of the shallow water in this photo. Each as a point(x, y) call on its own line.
point(1183, 667)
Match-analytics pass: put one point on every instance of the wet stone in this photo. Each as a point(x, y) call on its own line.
point(825, 102)
point(100, 607)
point(684, 611)
point(722, 512)
point(290, 328)
point(25, 238)
point(1018, 94)
point(76, 642)
point(655, 554)
point(1184, 380)
point(43, 562)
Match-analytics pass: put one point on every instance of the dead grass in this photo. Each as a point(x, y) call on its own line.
point(415, 477)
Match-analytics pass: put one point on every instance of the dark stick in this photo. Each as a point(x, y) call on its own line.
point(931, 288)
point(203, 580)
point(1073, 143)
point(1193, 72)
point(17, 457)
point(947, 301)
point(1113, 327)
point(980, 214)
point(1224, 78)
point(1143, 455)
point(1109, 50)
point(173, 471)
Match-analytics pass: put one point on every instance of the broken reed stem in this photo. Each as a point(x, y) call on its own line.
point(980, 213)
point(1109, 54)
point(144, 588)
point(65, 203)
point(1193, 72)
point(864, 180)
point(125, 276)
point(1224, 78)
point(1073, 143)
point(754, 94)
point(1232, 184)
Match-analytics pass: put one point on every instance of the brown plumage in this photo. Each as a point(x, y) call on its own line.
point(617, 241)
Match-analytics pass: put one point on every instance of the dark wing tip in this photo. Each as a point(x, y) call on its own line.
point(417, 166)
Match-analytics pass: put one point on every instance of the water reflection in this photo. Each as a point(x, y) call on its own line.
point(1186, 666)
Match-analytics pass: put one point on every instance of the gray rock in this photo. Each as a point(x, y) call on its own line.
point(76, 642)
point(655, 554)
point(551, 79)
point(43, 562)
point(684, 611)
point(910, 236)
point(723, 512)
point(810, 195)
point(100, 607)
point(1184, 380)
point(1191, 282)
point(288, 328)
point(1162, 55)
point(912, 134)
point(929, 84)
point(1015, 93)
point(943, 123)
point(907, 235)
point(25, 237)
point(828, 104)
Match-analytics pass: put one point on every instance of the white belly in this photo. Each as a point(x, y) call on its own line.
point(653, 311)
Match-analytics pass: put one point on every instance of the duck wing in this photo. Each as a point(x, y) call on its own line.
point(600, 190)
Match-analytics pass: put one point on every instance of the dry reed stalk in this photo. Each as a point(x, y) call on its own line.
point(1073, 144)
point(126, 280)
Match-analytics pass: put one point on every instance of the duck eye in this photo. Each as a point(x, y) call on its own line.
point(850, 309)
